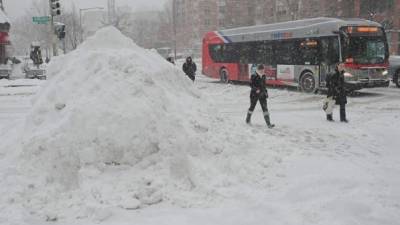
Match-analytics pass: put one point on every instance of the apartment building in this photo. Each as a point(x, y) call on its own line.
point(196, 17)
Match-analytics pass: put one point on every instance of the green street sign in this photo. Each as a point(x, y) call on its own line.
point(41, 19)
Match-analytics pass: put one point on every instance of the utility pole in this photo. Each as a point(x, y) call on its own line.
point(53, 36)
point(111, 11)
point(1, 5)
point(275, 8)
point(174, 25)
point(54, 6)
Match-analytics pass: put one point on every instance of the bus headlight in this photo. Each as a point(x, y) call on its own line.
point(385, 73)
point(348, 75)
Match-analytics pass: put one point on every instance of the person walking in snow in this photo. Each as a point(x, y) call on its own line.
point(189, 67)
point(336, 93)
point(259, 93)
point(36, 55)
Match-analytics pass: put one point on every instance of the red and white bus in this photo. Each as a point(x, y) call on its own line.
point(5, 70)
point(300, 53)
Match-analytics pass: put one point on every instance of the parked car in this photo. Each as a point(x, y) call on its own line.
point(33, 71)
point(394, 69)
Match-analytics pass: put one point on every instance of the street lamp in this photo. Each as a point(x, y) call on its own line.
point(80, 17)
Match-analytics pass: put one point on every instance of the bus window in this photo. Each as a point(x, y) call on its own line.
point(231, 53)
point(246, 52)
point(216, 53)
point(262, 53)
point(329, 50)
point(308, 54)
point(283, 52)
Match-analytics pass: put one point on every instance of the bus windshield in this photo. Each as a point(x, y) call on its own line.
point(366, 50)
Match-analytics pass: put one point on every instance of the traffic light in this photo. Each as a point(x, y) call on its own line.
point(55, 7)
point(59, 30)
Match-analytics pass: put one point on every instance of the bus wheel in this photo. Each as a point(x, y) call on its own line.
point(307, 82)
point(224, 75)
point(396, 78)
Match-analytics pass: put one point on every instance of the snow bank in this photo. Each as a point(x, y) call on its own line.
point(114, 124)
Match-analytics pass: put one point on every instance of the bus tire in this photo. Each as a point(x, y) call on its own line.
point(307, 82)
point(224, 75)
point(396, 79)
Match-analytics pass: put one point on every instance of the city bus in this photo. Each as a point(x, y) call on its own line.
point(5, 69)
point(300, 53)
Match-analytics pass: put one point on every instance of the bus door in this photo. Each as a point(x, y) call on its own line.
point(329, 57)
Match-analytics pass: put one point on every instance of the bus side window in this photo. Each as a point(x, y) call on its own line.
point(283, 53)
point(309, 52)
point(231, 53)
point(329, 50)
point(334, 50)
point(268, 54)
point(258, 52)
point(216, 53)
point(325, 52)
point(246, 52)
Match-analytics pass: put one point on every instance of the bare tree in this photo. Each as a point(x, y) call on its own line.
point(24, 31)
point(293, 7)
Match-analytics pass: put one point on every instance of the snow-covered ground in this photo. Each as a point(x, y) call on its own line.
point(198, 163)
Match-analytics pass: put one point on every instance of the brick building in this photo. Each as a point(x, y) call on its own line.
point(195, 17)
point(386, 12)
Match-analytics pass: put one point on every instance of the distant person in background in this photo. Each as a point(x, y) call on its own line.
point(36, 55)
point(259, 93)
point(189, 67)
point(336, 94)
point(171, 60)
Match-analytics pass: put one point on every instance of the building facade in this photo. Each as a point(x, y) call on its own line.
point(386, 12)
point(192, 19)
point(196, 17)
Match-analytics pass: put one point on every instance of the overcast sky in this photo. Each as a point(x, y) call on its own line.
point(16, 8)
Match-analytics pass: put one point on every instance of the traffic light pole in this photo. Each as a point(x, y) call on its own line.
point(53, 37)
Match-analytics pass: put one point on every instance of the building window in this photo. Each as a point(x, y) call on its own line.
point(370, 7)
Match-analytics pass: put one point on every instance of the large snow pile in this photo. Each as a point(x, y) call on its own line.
point(115, 124)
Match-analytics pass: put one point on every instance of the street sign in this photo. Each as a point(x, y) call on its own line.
point(41, 19)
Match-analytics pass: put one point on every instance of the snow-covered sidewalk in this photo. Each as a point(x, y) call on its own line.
point(111, 142)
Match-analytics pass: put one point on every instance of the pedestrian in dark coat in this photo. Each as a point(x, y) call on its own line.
point(189, 67)
point(337, 91)
point(259, 93)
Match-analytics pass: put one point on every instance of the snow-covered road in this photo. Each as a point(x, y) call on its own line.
point(306, 171)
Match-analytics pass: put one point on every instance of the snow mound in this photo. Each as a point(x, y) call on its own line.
point(114, 124)
point(108, 38)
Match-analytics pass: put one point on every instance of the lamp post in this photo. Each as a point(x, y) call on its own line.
point(80, 17)
point(174, 25)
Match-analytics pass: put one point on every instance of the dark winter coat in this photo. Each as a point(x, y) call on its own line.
point(258, 83)
point(336, 87)
point(189, 68)
point(36, 56)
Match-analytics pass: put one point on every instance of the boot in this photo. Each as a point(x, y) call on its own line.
point(329, 117)
point(268, 121)
point(343, 114)
point(248, 118)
